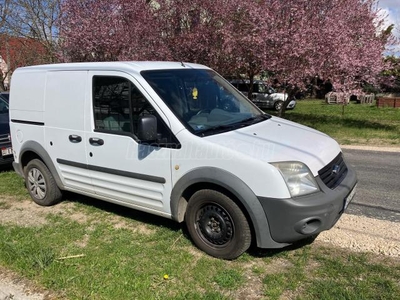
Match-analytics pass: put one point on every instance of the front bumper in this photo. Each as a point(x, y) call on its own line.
point(294, 219)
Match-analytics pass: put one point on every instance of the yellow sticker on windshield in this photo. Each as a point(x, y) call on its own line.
point(195, 93)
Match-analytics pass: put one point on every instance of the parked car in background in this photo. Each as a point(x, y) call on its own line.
point(5, 139)
point(263, 96)
point(5, 96)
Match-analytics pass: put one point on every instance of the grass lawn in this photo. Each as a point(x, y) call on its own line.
point(87, 249)
point(358, 125)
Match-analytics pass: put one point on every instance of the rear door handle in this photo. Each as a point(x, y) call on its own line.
point(96, 142)
point(73, 138)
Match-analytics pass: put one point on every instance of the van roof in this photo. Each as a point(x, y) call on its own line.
point(136, 66)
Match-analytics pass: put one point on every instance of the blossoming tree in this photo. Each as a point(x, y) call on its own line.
point(292, 40)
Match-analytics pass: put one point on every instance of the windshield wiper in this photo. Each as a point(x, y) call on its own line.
point(228, 127)
point(253, 120)
point(216, 129)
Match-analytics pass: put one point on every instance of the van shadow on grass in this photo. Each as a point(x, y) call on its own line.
point(334, 120)
point(123, 211)
point(158, 221)
point(262, 253)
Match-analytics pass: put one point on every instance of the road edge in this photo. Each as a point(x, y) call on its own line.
point(371, 148)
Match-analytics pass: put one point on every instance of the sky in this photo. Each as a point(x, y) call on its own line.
point(391, 8)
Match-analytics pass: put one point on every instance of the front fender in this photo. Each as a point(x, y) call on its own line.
point(238, 188)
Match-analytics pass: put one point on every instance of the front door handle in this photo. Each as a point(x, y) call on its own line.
point(73, 138)
point(96, 142)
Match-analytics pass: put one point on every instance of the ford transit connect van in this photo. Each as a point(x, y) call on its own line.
point(176, 140)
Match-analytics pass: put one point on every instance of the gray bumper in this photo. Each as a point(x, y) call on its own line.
point(297, 218)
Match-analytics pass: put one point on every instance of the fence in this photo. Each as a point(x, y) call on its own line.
point(344, 98)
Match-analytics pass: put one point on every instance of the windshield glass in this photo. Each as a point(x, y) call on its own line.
point(202, 100)
point(3, 107)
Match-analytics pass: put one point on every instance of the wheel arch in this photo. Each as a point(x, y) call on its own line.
point(33, 150)
point(230, 185)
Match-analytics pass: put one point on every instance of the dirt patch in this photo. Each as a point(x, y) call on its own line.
point(26, 213)
point(13, 287)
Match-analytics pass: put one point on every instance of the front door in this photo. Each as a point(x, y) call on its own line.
point(124, 170)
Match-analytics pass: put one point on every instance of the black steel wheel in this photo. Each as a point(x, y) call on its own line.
point(41, 184)
point(217, 225)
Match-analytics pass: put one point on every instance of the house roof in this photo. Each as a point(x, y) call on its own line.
point(20, 51)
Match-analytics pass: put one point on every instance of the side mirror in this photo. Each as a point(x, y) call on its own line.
point(147, 128)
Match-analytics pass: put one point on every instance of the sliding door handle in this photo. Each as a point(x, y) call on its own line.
point(96, 142)
point(73, 138)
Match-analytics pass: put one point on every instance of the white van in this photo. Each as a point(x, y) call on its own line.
point(176, 140)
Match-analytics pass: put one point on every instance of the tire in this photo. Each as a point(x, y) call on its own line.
point(217, 225)
point(278, 105)
point(41, 184)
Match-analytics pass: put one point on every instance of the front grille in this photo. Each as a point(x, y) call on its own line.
point(334, 173)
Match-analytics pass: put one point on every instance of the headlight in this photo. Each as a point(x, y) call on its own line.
point(298, 178)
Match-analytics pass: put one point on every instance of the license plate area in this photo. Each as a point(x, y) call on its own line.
point(349, 197)
point(6, 151)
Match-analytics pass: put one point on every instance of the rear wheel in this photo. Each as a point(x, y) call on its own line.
point(41, 184)
point(278, 105)
point(217, 225)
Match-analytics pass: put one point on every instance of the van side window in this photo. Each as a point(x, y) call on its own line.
point(111, 104)
point(118, 105)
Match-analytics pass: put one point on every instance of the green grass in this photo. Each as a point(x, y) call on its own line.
point(96, 250)
point(359, 124)
point(11, 184)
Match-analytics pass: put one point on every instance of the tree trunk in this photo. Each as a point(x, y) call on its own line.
point(291, 95)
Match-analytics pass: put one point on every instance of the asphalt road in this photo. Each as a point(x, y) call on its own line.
point(378, 189)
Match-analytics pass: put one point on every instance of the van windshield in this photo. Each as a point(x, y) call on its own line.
point(203, 101)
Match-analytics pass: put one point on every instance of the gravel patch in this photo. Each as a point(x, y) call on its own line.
point(363, 234)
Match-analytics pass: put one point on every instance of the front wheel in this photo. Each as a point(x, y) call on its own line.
point(217, 225)
point(41, 184)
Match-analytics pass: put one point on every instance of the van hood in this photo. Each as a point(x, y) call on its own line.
point(278, 140)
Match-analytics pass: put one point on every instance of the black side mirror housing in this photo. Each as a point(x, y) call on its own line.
point(147, 128)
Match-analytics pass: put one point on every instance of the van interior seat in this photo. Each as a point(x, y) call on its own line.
point(116, 123)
